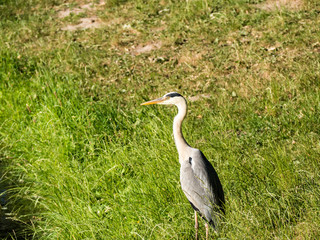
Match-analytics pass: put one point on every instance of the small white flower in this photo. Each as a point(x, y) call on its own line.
point(126, 26)
point(164, 10)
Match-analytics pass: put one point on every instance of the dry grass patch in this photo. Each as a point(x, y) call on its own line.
point(198, 97)
point(304, 229)
point(190, 58)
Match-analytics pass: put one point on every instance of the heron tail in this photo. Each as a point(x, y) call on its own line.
point(212, 224)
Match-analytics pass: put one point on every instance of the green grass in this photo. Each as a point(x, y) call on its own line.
point(81, 159)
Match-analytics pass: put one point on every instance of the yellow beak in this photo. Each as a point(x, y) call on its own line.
point(155, 101)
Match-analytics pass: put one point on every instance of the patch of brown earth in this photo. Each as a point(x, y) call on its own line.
point(271, 5)
point(140, 49)
point(80, 9)
point(85, 23)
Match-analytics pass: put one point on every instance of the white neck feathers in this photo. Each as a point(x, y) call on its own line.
point(180, 142)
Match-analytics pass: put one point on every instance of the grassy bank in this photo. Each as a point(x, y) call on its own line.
point(82, 159)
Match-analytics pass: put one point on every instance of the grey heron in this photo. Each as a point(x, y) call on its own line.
point(199, 181)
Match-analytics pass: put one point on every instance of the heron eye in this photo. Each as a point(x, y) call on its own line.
point(190, 160)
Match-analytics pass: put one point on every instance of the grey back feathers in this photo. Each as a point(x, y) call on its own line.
point(202, 187)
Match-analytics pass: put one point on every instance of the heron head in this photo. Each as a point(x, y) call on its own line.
point(172, 98)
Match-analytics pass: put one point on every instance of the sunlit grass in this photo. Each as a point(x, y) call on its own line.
point(82, 159)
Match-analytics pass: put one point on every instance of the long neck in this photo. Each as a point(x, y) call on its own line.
point(181, 143)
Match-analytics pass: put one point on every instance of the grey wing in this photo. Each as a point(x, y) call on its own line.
point(210, 180)
point(201, 185)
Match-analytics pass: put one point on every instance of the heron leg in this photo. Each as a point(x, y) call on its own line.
point(196, 225)
point(207, 231)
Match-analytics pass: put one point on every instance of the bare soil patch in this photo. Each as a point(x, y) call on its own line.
point(271, 5)
point(80, 9)
point(146, 48)
point(85, 23)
